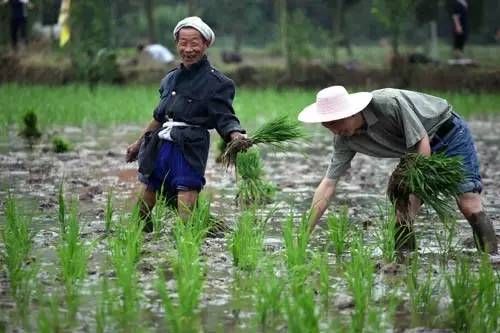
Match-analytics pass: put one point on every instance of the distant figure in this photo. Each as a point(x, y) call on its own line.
point(18, 20)
point(229, 57)
point(460, 27)
point(157, 52)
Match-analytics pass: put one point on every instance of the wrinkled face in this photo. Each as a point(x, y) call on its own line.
point(347, 126)
point(190, 45)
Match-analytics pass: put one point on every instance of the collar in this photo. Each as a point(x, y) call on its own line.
point(369, 115)
point(196, 66)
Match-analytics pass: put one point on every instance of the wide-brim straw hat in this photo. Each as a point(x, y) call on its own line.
point(334, 103)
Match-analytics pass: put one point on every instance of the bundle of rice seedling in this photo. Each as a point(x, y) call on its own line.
point(274, 133)
point(252, 189)
point(433, 179)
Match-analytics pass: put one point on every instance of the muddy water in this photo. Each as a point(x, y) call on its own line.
point(96, 166)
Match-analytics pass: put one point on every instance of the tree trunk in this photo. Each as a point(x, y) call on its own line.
point(282, 16)
point(149, 8)
point(336, 34)
point(191, 7)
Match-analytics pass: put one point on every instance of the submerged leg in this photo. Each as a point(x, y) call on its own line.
point(185, 203)
point(146, 202)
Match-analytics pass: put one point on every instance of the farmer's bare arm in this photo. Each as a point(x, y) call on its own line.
point(458, 26)
point(424, 146)
point(324, 193)
point(133, 149)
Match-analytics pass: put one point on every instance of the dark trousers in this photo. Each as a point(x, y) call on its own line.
point(18, 27)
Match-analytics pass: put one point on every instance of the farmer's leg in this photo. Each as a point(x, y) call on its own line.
point(185, 203)
point(482, 228)
point(146, 202)
point(405, 214)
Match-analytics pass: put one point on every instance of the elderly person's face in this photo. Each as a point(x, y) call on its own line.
point(191, 46)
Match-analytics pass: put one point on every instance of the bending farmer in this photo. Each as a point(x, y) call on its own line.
point(391, 123)
point(194, 97)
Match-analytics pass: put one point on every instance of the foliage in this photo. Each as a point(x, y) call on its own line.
point(60, 145)
point(433, 179)
point(338, 230)
point(30, 130)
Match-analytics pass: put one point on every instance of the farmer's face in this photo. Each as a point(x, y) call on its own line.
point(191, 46)
point(347, 126)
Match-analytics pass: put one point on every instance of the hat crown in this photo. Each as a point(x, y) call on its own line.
point(332, 99)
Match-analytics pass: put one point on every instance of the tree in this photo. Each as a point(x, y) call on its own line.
point(393, 14)
point(149, 9)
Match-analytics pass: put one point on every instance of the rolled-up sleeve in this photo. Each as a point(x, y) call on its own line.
point(221, 110)
point(341, 159)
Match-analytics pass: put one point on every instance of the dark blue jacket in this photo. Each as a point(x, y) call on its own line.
point(199, 95)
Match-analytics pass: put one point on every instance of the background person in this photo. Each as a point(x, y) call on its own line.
point(18, 21)
point(459, 27)
point(157, 52)
point(391, 123)
point(194, 97)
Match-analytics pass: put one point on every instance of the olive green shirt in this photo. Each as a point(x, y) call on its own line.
point(395, 121)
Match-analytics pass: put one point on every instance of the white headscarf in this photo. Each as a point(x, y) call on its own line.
point(196, 23)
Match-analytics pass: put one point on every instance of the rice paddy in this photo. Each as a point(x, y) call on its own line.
point(74, 257)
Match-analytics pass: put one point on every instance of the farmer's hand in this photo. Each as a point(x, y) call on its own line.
point(132, 152)
point(237, 136)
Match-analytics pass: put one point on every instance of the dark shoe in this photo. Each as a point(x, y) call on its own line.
point(484, 233)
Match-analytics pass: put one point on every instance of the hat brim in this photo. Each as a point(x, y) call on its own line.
point(357, 102)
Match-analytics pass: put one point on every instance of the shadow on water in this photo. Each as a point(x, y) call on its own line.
point(96, 166)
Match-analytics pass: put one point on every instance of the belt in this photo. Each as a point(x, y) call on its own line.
point(443, 130)
point(167, 128)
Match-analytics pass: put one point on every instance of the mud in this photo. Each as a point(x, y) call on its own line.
point(96, 166)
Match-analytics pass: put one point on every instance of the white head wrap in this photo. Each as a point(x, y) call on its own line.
point(196, 23)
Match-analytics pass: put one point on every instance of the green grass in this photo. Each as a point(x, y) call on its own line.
point(76, 105)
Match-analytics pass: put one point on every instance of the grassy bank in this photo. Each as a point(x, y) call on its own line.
point(77, 105)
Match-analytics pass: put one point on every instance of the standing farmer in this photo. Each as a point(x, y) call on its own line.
point(18, 20)
point(391, 123)
point(194, 97)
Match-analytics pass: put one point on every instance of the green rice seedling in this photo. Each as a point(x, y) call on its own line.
point(422, 293)
point(108, 213)
point(320, 263)
point(296, 241)
point(62, 209)
point(246, 241)
point(104, 306)
point(446, 238)
point(60, 145)
point(276, 133)
point(159, 214)
point(360, 277)
point(339, 231)
point(17, 240)
point(461, 285)
point(125, 252)
point(188, 271)
point(30, 130)
point(252, 188)
point(269, 289)
point(300, 309)
point(386, 233)
point(73, 257)
point(486, 314)
point(434, 179)
point(48, 318)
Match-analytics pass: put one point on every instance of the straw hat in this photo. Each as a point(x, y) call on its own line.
point(334, 103)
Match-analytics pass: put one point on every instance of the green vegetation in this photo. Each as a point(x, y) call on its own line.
point(30, 130)
point(246, 241)
point(60, 145)
point(338, 230)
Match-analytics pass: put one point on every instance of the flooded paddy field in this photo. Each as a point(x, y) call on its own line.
point(357, 290)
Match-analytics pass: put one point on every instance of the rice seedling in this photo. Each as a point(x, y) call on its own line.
point(300, 309)
point(360, 277)
point(61, 145)
point(48, 318)
point(422, 294)
point(486, 313)
point(446, 238)
point(433, 179)
point(269, 288)
point(461, 285)
point(296, 240)
point(108, 213)
point(386, 233)
point(17, 240)
point(274, 133)
point(339, 231)
point(30, 131)
point(61, 218)
point(125, 252)
point(73, 257)
point(159, 214)
point(246, 241)
point(320, 263)
point(104, 306)
point(252, 189)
